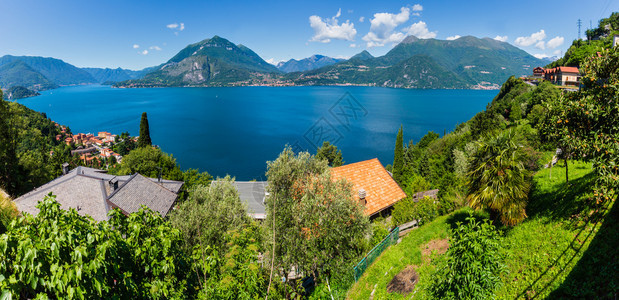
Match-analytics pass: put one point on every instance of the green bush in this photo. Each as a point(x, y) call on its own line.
point(8, 211)
point(407, 210)
point(61, 255)
point(379, 232)
point(472, 266)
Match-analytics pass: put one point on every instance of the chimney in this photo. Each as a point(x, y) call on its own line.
point(362, 195)
point(113, 184)
point(65, 168)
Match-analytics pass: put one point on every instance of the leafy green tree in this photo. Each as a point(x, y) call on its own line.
point(235, 273)
point(60, 254)
point(330, 153)
point(398, 157)
point(8, 156)
point(585, 122)
point(149, 162)
point(209, 211)
point(498, 179)
point(313, 221)
point(144, 139)
point(194, 178)
point(424, 211)
point(125, 146)
point(472, 266)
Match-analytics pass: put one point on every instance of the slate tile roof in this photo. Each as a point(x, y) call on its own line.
point(253, 193)
point(89, 192)
point(138, 191)
point(381, 190)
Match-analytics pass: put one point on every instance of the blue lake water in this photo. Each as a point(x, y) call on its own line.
point(236, 130)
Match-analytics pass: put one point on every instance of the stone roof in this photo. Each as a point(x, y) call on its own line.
point(381, 190)
point(88, 190)
point(138, 191)
point(252, 193)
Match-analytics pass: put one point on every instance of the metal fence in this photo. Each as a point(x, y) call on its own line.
point(369, 258)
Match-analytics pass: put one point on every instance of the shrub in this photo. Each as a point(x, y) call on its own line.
point(8, 211)
point(407, 210)
point(472, 265)
point(379, 232)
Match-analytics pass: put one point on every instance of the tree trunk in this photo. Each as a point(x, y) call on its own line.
point(567, 178)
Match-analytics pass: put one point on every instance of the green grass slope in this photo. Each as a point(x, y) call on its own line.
point(564, 249)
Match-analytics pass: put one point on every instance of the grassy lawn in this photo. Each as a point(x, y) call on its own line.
point(546, 253)
point(398, 257)
point(559, 251)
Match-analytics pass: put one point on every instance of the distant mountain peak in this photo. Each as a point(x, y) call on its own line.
point(409, 39)
point(315, 61)
point(363, 55)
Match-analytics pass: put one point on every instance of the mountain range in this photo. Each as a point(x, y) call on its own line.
point(467, 62)
point(42, 73)
point(307, 64)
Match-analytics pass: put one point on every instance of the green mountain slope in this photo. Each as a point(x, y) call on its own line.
point(461, 63)
point(107, 75)
point(55, 70)
point(18, 73)
point(211, 62)
point(306, 64)
point(363, 55)
point(222, 49)
point(472, 58)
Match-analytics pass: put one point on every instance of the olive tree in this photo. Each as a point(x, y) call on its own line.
point(315, 224)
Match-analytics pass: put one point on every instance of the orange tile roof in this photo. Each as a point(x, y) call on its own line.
point(568, 69)
point(381, 190)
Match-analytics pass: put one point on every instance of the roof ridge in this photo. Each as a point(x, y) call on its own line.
point(49, 184)
point(123, 185)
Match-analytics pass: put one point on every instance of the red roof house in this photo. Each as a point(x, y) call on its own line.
point(372, 182)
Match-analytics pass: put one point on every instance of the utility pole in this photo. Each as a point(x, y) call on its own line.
point(579, 24)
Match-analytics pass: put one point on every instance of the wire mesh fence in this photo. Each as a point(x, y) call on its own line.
point(369, 258)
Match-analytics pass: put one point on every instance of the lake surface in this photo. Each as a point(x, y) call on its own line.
point(236, 130)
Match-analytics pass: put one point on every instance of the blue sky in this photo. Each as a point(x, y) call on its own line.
point(138, 34)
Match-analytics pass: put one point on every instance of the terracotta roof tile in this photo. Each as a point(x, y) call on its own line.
point(381, 190)
point(568, 69)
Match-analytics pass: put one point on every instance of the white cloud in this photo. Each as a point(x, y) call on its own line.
point(420, 30)
point(177, 27)
point(540, 45)
point(143, 52)
point(353, 45)
point(501, 38)
point(556, 52)
point(382, 28)
point(525, 41)
point(417, 7)
point(416, 14)
point(135, 46)
point(273, 61)
point(327, 29)
point(541, 56)
point(555, 42)
point(451, 38)
point(154, 48)
point(361, 19)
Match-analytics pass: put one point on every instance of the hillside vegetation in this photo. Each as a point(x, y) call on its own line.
point(557, 252)
point(557, 224)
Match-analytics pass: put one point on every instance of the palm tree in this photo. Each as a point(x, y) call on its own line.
point(498, 179)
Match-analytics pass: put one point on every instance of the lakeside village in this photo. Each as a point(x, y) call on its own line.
point(93, 150)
